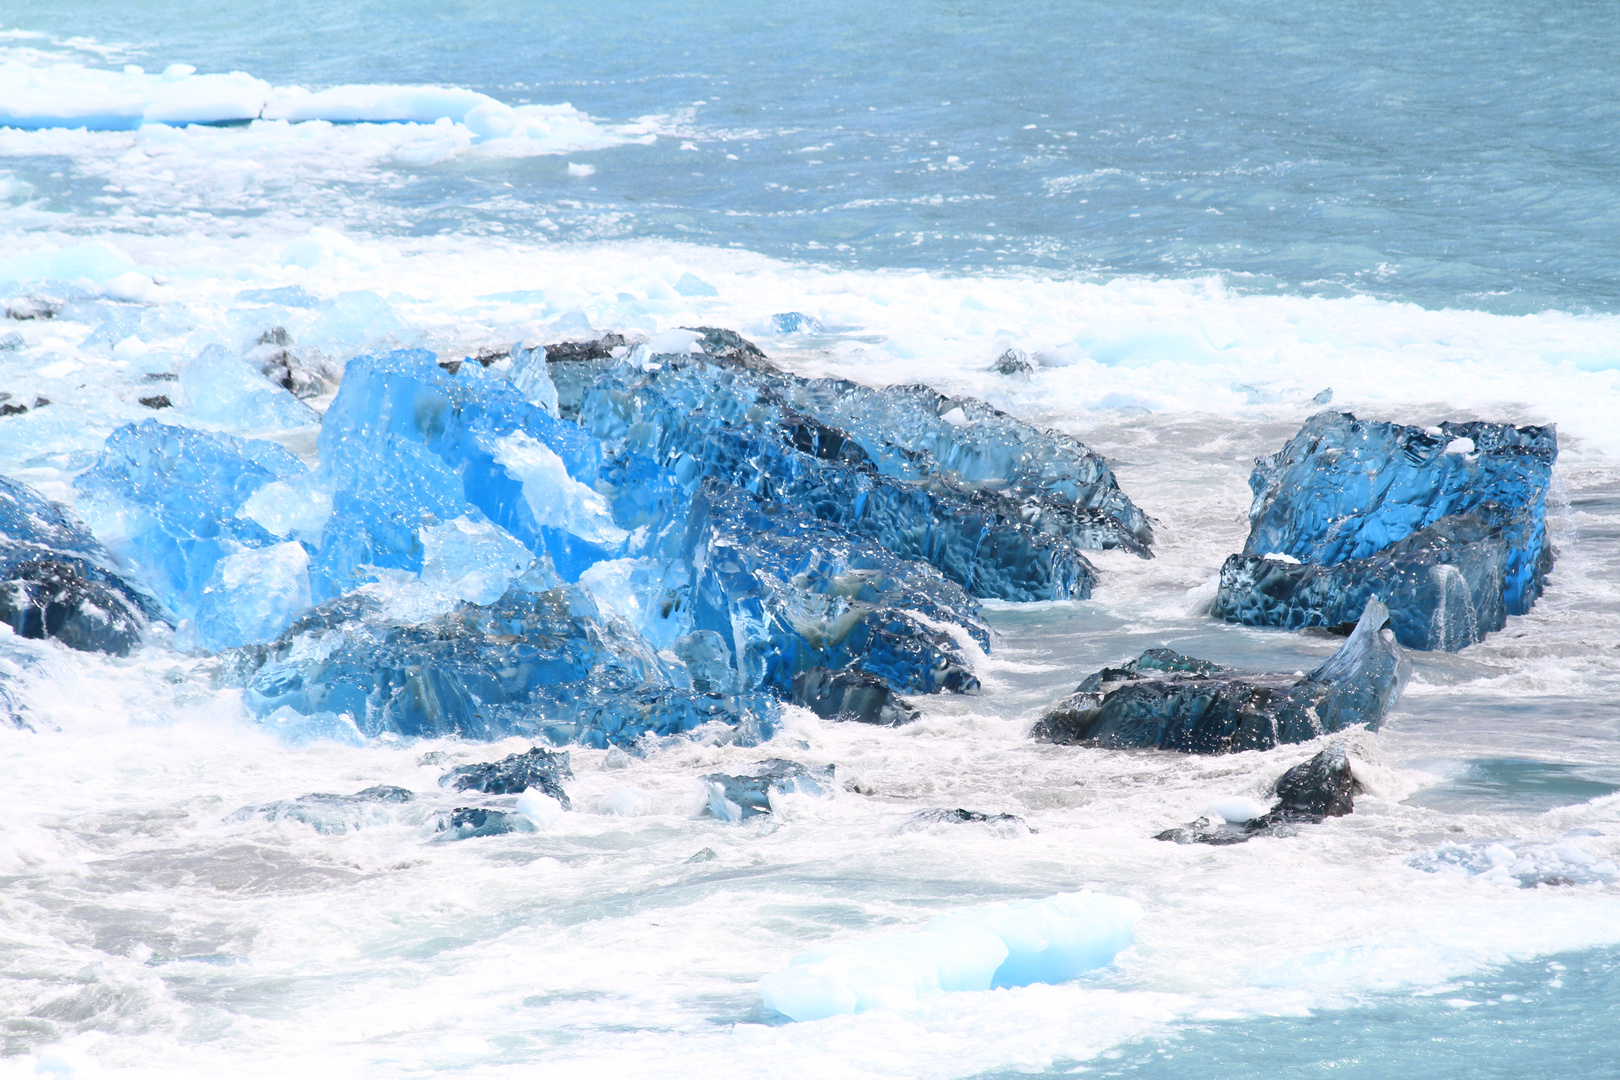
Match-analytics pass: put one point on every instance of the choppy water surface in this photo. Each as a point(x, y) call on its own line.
point(1326, 199)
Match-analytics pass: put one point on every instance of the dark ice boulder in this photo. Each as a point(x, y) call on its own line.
point(850, 695)
point(926, 819)
point(466, 822)
point(541, 662)
point(57, 582)
point(733, 798)
point(514, 774)
point(1320, 788)
point(1170, 702)
point(1446, 524)
point(332, 814)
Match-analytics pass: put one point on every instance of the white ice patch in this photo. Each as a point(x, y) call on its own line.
point(471, 560)
point(221, 389)
point(296, 511)
point(540, 808)
point(1238, 808)
point(253, 595)
point(1280, 556)
point(1017, 944)
point(555, 498)
point(677, 342)
point(1460, 446)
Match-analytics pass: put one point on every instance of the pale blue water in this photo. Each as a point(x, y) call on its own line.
point(1451, 154)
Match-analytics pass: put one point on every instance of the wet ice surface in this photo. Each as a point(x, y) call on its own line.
point(153, 929)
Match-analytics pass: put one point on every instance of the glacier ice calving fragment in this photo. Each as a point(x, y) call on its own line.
point(1446, 525)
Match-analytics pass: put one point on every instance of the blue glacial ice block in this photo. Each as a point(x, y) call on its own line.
point(539, 662)
point(791, 593)
point(166, 500)
point(698, 418)
point(1166, 701)
point(56, 581)
point(407, 444)
point(1442, 584)
point(1346, 494)
point(999, 945)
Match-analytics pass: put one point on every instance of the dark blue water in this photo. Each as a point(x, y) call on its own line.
point(1446, 153)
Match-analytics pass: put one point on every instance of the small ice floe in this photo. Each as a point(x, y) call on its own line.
point(999, 945)
point(1525, 864)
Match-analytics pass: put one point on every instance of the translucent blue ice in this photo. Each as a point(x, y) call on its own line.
point(165, 500)
point(1447, 524)
point(220, 388)
point(999, 945)
point(700, 419)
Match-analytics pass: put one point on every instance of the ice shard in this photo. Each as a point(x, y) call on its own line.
point(733, 798)
point(1446, 524)
point(57, 582)
point(1167, 701)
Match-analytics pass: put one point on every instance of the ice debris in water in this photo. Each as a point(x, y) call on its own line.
point(1173, 702)
point(1527, 865)
point(998, 945)
point(1320, 788)
point(794, 322)
point(332, 814)
point(56, 581)
point(1008, 824)
point(733, 798)
point(1446, 525)
point(466, 822)
point(512, 775)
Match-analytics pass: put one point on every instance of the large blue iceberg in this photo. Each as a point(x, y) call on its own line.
point(1446, 525)
point(1166, 701)
point(595, 544)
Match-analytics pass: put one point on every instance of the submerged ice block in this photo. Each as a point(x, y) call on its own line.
point(998, 945)
point(56, 581)
point(1170, 702)
point(540, 662)
point(1447, 525)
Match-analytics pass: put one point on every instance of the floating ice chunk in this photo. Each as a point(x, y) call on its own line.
point(794, 322)
point(466, 822)
point(332, 814)
point(292, 296)
point(1282, 557)
point(758, 789)
point(1323, 787)
point(377, 103)
point(583, 171)
point(675, 343)
point(540, 806)
point(1176, 702)
point(537, 769)
point(1000, 945)
point(220, 388)
point(1446, 524)
point(530, 373)
point(94, 261)
point(1237, 808)
point(253, 595)
point(689, 284)
point(1527, 864)
point(354, 319)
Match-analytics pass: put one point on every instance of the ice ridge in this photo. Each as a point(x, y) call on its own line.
point(1447, 525)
